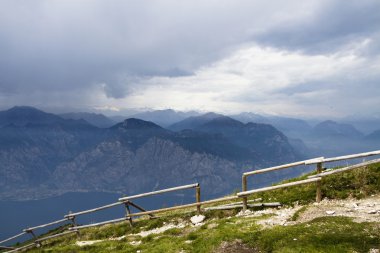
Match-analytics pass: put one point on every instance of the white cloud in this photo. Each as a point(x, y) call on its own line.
point(257, 78)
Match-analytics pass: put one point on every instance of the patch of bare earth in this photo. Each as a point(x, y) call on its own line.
point(234, 247)
point(363, 210)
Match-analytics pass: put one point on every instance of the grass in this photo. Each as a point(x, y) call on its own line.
point(297, 214)
point(358, 183)
point(325, 234)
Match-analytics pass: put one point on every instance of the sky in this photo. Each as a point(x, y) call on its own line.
point(315, 58)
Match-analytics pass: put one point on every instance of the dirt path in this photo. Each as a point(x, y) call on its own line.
point(363, 210)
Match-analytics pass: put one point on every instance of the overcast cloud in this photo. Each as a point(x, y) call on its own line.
point(300, 58)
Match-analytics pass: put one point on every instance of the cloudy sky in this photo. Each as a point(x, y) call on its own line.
point(298, 58)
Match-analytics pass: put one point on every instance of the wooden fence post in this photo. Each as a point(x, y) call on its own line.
point(318, 197)
point(244, 188)
point(128, 212)
point(198, 198)
point(72, 219)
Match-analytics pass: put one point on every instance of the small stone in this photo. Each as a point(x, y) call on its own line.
point(330, 212)
point(188, 241)
point(374, 251)
point(294, 239)
point(212, 225)
point(371, 205)
point(372, 212)
point(197, 219)
point(244, 213)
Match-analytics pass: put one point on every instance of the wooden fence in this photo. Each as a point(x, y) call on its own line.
point(126, 201)
point(319, 168)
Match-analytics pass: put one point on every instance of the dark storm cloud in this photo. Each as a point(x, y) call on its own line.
point(65, 51)
point(57, 45)
point(331, 26)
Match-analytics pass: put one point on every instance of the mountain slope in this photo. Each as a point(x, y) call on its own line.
point(329, 128)
point(58, 155)
point(164, 117)
point(98, 120)
point(291, 127)
point(264, 141)
point(194, 121)
point(22, 115)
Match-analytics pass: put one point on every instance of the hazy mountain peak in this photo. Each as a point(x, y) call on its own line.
point(164, 117)
point(133, 123)
point(210, 115)
point(330, 127)
point(194, 121)
point(224, 121)
point(22, 115)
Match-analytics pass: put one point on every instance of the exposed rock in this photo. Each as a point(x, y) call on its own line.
point(197, 219)
point(330, 212)
point(86, 243)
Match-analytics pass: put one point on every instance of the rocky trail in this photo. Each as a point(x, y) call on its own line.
point(361, 210)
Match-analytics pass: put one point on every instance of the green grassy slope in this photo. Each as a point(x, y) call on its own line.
point(324, 234)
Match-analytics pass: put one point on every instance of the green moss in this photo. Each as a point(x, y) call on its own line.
point(297, 214)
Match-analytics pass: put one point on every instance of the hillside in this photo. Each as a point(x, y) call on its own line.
point(347, 220)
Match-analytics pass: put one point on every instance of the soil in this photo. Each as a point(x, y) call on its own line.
point(234, 247)
point(362, 210)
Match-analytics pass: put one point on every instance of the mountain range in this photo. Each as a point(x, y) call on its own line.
point(43, 154)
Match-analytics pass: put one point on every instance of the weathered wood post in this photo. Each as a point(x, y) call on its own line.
point(74, 224)
point(128, 212)
point(30, 231)
point(318, 197)
point(244, 188)
point(198, 198)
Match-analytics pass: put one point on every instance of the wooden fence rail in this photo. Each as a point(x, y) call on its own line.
point(93, 210)
point(270, 188)
point(45, 225)
point(159, 192)
point(54, 236)
point(331, 172)
point(13, 237)
point(28, 246)
point(99, 224)
point(360, 155)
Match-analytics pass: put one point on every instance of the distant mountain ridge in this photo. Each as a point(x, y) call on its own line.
point(252, 136)
point(98, 120)
point(331, 128)
point(164, 118)
point(22, 115)
point(51, 156)
point(194, 121)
